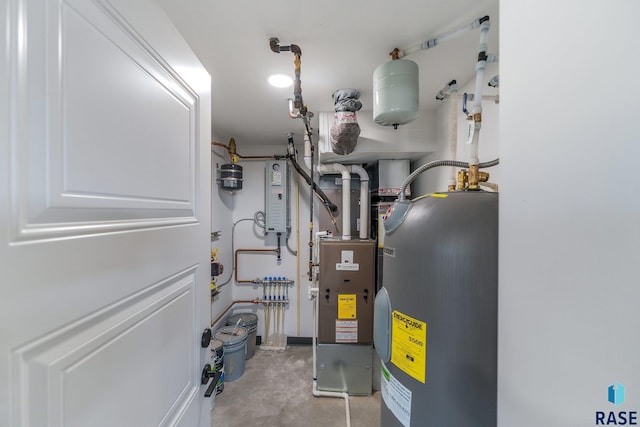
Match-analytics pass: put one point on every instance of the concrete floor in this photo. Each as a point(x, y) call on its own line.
point(275, 391)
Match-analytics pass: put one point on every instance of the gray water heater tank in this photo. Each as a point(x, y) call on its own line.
point(436, 319)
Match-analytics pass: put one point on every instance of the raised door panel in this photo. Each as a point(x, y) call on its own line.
point(81, 372)
point(116, 140)
point(104, 214)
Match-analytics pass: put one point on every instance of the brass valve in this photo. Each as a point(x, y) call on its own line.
point(469, 180)
point(474, 173)
point(233, 154)
point(463, 178)
point(476, 176)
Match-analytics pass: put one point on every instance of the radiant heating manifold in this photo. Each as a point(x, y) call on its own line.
point(275, 291)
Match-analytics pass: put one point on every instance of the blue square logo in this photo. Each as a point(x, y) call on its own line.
point(616, 394)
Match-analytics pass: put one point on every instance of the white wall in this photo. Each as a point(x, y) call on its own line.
point(438, 179)
point(222, 203)
point(569, 210)
point(244, 204)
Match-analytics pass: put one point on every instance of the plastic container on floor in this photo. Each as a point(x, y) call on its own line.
point(250, 322)
point(235, 348)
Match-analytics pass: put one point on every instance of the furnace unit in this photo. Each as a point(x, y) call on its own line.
point(345, 315)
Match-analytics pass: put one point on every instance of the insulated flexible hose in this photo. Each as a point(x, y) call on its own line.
point(321, 194)
point(438, 163)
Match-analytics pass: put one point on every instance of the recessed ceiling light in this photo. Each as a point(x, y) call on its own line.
point(280, 80)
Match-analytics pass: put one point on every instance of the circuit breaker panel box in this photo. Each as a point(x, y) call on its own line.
point(346, 298)
point(276, 196)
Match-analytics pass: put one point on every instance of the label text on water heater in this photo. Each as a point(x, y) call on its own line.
point(409, 345)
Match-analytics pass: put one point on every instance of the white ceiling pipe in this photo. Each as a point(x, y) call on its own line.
point(477, 101)
point(428, 44)
point(450, 91)
point(484, 24)
point(346, 194)
point(364, 199)
point(453, 136)
point(332, 168)
point(346, 191)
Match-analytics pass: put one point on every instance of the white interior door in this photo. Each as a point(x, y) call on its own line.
point(104, 217)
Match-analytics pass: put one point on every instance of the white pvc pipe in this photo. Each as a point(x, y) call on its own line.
point(345, 396)
point(346, 194)
point(453, 136)
point(292, 111)
point(315, 391)
point(276, 334)
point(480, 67)
point(267, 319)
point(428, 44)
point(477, 100)
point(364, 200)
point(346, 200)
point(282, 339)
point(471, 97)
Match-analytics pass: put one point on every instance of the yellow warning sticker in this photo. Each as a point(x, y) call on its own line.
point(346, 306)
point(409, 345)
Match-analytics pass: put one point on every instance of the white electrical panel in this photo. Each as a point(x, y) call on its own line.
point(277, 196)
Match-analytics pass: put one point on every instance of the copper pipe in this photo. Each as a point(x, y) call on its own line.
point(219, 144)
point(240, 301)
point(232, 152)
point(277, 251)
point(226, 147)
point(258, 157)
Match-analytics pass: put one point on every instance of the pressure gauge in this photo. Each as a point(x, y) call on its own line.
point(276, 166)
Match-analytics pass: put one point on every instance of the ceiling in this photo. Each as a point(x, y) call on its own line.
point(342, 43)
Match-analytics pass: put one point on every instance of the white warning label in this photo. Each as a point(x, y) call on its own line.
point(396, 396)
point(346, 331)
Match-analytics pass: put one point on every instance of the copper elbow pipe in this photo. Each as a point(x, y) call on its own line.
point(276, 251)
point(219, 144)
point(226, 147)
point(257, 157)
point(232, 152)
